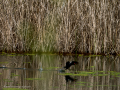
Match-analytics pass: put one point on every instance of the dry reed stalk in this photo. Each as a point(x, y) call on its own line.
point(83, 26)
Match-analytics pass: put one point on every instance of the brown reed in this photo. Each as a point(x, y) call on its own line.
point(74, 26)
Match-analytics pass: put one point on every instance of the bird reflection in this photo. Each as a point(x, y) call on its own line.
point(68, 78)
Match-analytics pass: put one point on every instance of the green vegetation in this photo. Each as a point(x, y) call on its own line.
point(4, 62)
point(34, 78)
point(93, 73)
point(52, 68)
point(74, 26)
point(7, 80)
point(13, 89)
point(14, 75)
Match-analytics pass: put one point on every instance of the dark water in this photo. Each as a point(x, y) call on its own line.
point(40, 72)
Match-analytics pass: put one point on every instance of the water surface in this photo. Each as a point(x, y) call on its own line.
point(40, 72)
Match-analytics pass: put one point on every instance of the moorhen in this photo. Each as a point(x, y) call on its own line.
point(68, 65)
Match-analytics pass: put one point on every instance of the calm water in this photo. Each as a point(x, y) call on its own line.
point(40, 72)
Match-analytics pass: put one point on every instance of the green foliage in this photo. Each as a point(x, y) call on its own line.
point(27, 34)
point(34, 78)
point(13, 89)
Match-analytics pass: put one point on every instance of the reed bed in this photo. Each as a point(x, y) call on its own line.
point(74, 26)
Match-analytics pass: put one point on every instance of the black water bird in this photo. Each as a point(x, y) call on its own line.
point(68, 65)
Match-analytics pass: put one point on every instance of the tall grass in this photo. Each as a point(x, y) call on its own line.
point(79, 26)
